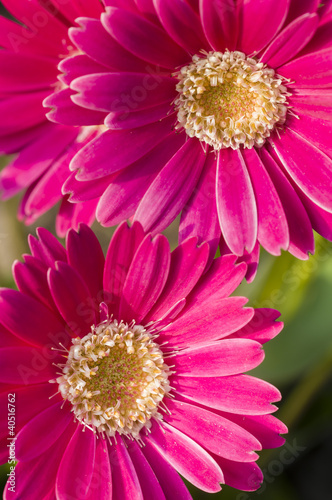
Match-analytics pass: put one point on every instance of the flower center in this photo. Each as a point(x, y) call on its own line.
point(115, 378)
point(228, 100)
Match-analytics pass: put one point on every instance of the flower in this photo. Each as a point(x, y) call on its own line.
point(212, 109)
point(146, 363)
point(31, 50)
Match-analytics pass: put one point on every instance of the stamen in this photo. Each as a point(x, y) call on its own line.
point(230, 100)
point(115, 378)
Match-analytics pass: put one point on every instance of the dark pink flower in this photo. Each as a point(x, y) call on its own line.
point(32, 49)
point(146, 352)
point(247, 87)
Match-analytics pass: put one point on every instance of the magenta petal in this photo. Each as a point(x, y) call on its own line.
point(47, 249)
point(36, 73)
point(85, 255)
point(193, 327)
point(172, 188)
point(265, 428)
point(143, 38)
point(273, 231)
point(121, 251)
point(182, 24)
point(220, 281)
point(171, 483)
point(73, 298)
point(316, 103)
point(214, 432)
point(26, 365)
point(290, 41)
point(147, 274)
point(30, 277)
point(300, 229)
point(115, 150)
point(126, 484)
point(37, 436)
point(77, 65)
point(101, 481)
point(310, 71)
point(27, 106)
point(92, 39)
point(308, 166)
point(314, 129)
point(128, 119)
point(219, 24)
point(242, 394)
point(44, 467)
point(66, 112)
point(236, 202)
point(72, 214)
point(76, 466)
point(201, 470)
point(200, 217)
point(188, 262)
point(124, 193)
point(266, 25)
point(299, 7)
point(29, 401)
point(124, 92)
point(263, 326)
point(151, 489)
point(39, 325)
point(321, 220)
point(217, 359)
point(242, 476)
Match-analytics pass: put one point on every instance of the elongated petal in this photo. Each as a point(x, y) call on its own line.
point(175, 447)
point(151, 489)
point(219, 23)
point(310, 71)
point(148, 273)
point(126, 484)
point(236, 202)
point(26, 365)
point(101, 481)
point(216, 433)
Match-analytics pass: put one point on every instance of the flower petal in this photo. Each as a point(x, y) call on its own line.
point(26, 365)
point(310, 71)
point(101, 481)
point(146, 278)
point(219, 24)
point(126, 484)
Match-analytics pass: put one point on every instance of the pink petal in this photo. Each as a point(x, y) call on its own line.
point(77, 65)
point(300, 230)
point(172, 188)
point(151, 489)
point(219, 24)
point(143, 38)
point(266, 25)
point(66, 112)
point(175, 447)
point(242, 476)
point(121, 146)
point(127, 119)
point(200, 217)
point(40, 324)
point(218, 434)
point(122, 92)
point(146, 278)
point(120, 254)
point(169, 479)
point(101, 480)
point(273, 231)
point(72, 214)
point(321, 221)
point(22, 111)
point(123, 195)
point(217, 359)
point(291, 40)
point(76, 467)
point(314, 103)
point(299, 7)
point(47, 249)
point(236, 202)
point(188, 262)
point(193, 327)
point(310, 169)
point(263, 326)
point(37, 436)
point(242, 394)
point(26, 365)
point(182, 24)
point(35, 72)
point(126, 484)
point(315, 130)
point(85, 255)
point(310, 71)
point(73, 299)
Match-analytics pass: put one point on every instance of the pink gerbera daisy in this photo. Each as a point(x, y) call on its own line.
point(145, 353)
point(31, 50)
point(220, 110)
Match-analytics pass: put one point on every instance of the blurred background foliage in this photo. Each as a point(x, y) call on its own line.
point(298, 361)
